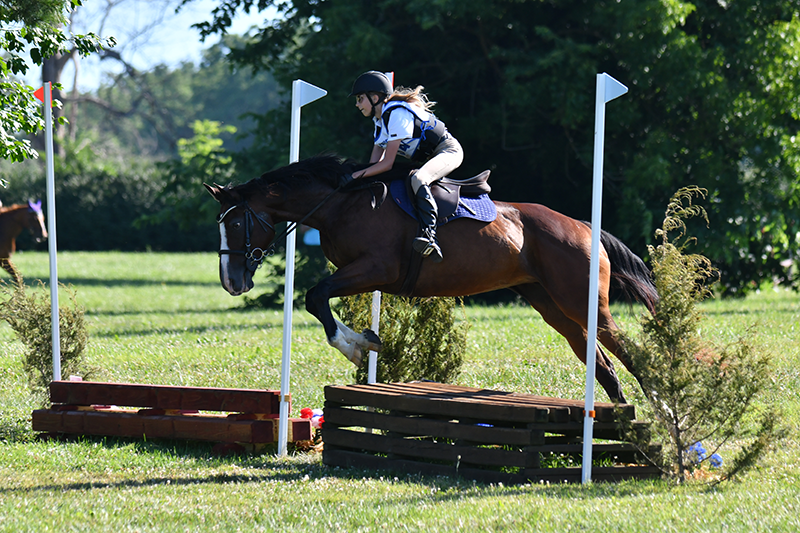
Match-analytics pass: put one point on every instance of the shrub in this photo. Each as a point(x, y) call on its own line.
point(699, 392)
point(421, 340)
point(29, 315)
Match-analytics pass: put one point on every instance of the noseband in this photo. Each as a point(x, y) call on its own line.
point(254, 256)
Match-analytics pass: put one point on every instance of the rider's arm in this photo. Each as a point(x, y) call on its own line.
point(384, 164)
point(377, 153)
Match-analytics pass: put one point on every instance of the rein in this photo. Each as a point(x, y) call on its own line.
point(255, 256)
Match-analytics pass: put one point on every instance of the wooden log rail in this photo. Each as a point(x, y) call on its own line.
point(482, 434)
point(244, 416)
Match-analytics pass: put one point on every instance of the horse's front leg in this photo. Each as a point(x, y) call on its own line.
point(353, 345)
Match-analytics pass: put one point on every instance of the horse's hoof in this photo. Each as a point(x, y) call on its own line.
point(374, 342)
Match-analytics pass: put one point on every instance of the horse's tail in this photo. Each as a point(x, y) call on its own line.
point(629, 275)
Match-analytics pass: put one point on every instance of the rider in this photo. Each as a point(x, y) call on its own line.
point(404, 125)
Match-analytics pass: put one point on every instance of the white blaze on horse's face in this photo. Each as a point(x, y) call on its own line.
point(40, 217)
point(224, 259)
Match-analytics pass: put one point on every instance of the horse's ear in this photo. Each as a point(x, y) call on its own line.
point(36, 206)
point(216, 191)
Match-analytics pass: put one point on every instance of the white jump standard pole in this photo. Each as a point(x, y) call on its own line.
point(302, 93)
point(47, 98)
point(607, 89)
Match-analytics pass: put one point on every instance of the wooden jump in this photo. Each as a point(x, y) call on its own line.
point(243, 416)
point(487, 435)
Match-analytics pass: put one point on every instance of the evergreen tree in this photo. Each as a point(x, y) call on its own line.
point(707, 399)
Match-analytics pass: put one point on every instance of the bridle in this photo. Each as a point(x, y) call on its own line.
point(253, 256)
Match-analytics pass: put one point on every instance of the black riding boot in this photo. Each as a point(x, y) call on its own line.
point(426, 210)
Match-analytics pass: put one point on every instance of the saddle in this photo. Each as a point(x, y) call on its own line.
point(455, 199)
point(448, 192)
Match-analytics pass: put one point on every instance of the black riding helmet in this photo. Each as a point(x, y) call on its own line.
point(372, 82)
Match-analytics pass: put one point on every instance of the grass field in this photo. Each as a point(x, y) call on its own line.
point(163, 318)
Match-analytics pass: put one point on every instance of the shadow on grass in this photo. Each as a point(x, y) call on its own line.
point(290, 473)
point(227, 329)
point(106, 282)
point(778, 309)
point(130, 312)
point(267, 466)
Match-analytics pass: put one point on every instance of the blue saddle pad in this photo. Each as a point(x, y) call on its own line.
point(482, 207)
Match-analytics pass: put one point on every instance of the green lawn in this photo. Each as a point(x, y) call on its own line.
point(164, 318)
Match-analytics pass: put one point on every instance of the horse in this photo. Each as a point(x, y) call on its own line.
point(14, 219)
point(540, 254)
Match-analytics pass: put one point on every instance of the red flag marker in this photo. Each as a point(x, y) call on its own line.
point(39, 94)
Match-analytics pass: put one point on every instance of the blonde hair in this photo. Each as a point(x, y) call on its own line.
point(412, 96)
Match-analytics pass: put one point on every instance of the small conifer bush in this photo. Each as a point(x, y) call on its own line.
point(708, 400)
point(29, 315)
point(421, 339)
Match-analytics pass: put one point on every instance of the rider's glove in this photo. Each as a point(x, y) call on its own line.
point(345, 180)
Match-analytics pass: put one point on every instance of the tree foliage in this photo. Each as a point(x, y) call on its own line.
point(150, 111)
point(98, 198)
point(713, 101)
point(31, 29)
point(201, 160)
point(142, 148)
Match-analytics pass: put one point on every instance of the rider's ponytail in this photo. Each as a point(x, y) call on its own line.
point(412, 96)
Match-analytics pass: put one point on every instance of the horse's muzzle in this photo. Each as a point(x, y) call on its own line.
point(237, 289)
point(236, 281)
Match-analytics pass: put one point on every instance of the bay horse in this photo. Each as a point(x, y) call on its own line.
point(14, 219)
point(538, 253)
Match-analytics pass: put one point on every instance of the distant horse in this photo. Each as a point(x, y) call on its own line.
point(14, 219)
point(538, 253)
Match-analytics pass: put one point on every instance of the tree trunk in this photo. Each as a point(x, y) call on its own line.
point(52, 69)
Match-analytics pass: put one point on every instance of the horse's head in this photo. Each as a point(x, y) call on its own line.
point(35, 223)
point(245, 232)
point(249, 211)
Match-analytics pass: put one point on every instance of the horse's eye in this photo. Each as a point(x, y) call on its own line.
point(236, 225)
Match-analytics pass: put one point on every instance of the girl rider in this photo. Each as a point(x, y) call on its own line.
point(405, 126)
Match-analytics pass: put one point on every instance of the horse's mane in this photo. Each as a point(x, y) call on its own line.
point(324, 168)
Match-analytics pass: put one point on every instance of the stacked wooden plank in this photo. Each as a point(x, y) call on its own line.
point(244, 416)
point(486, 435)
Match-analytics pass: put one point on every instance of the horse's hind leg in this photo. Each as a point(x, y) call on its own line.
point(606, 334)
point(9, 267)
point(575, 335)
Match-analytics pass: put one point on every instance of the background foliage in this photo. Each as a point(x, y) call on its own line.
point(712, 102)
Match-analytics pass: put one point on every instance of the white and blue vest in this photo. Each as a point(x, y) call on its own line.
point(420, 131)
